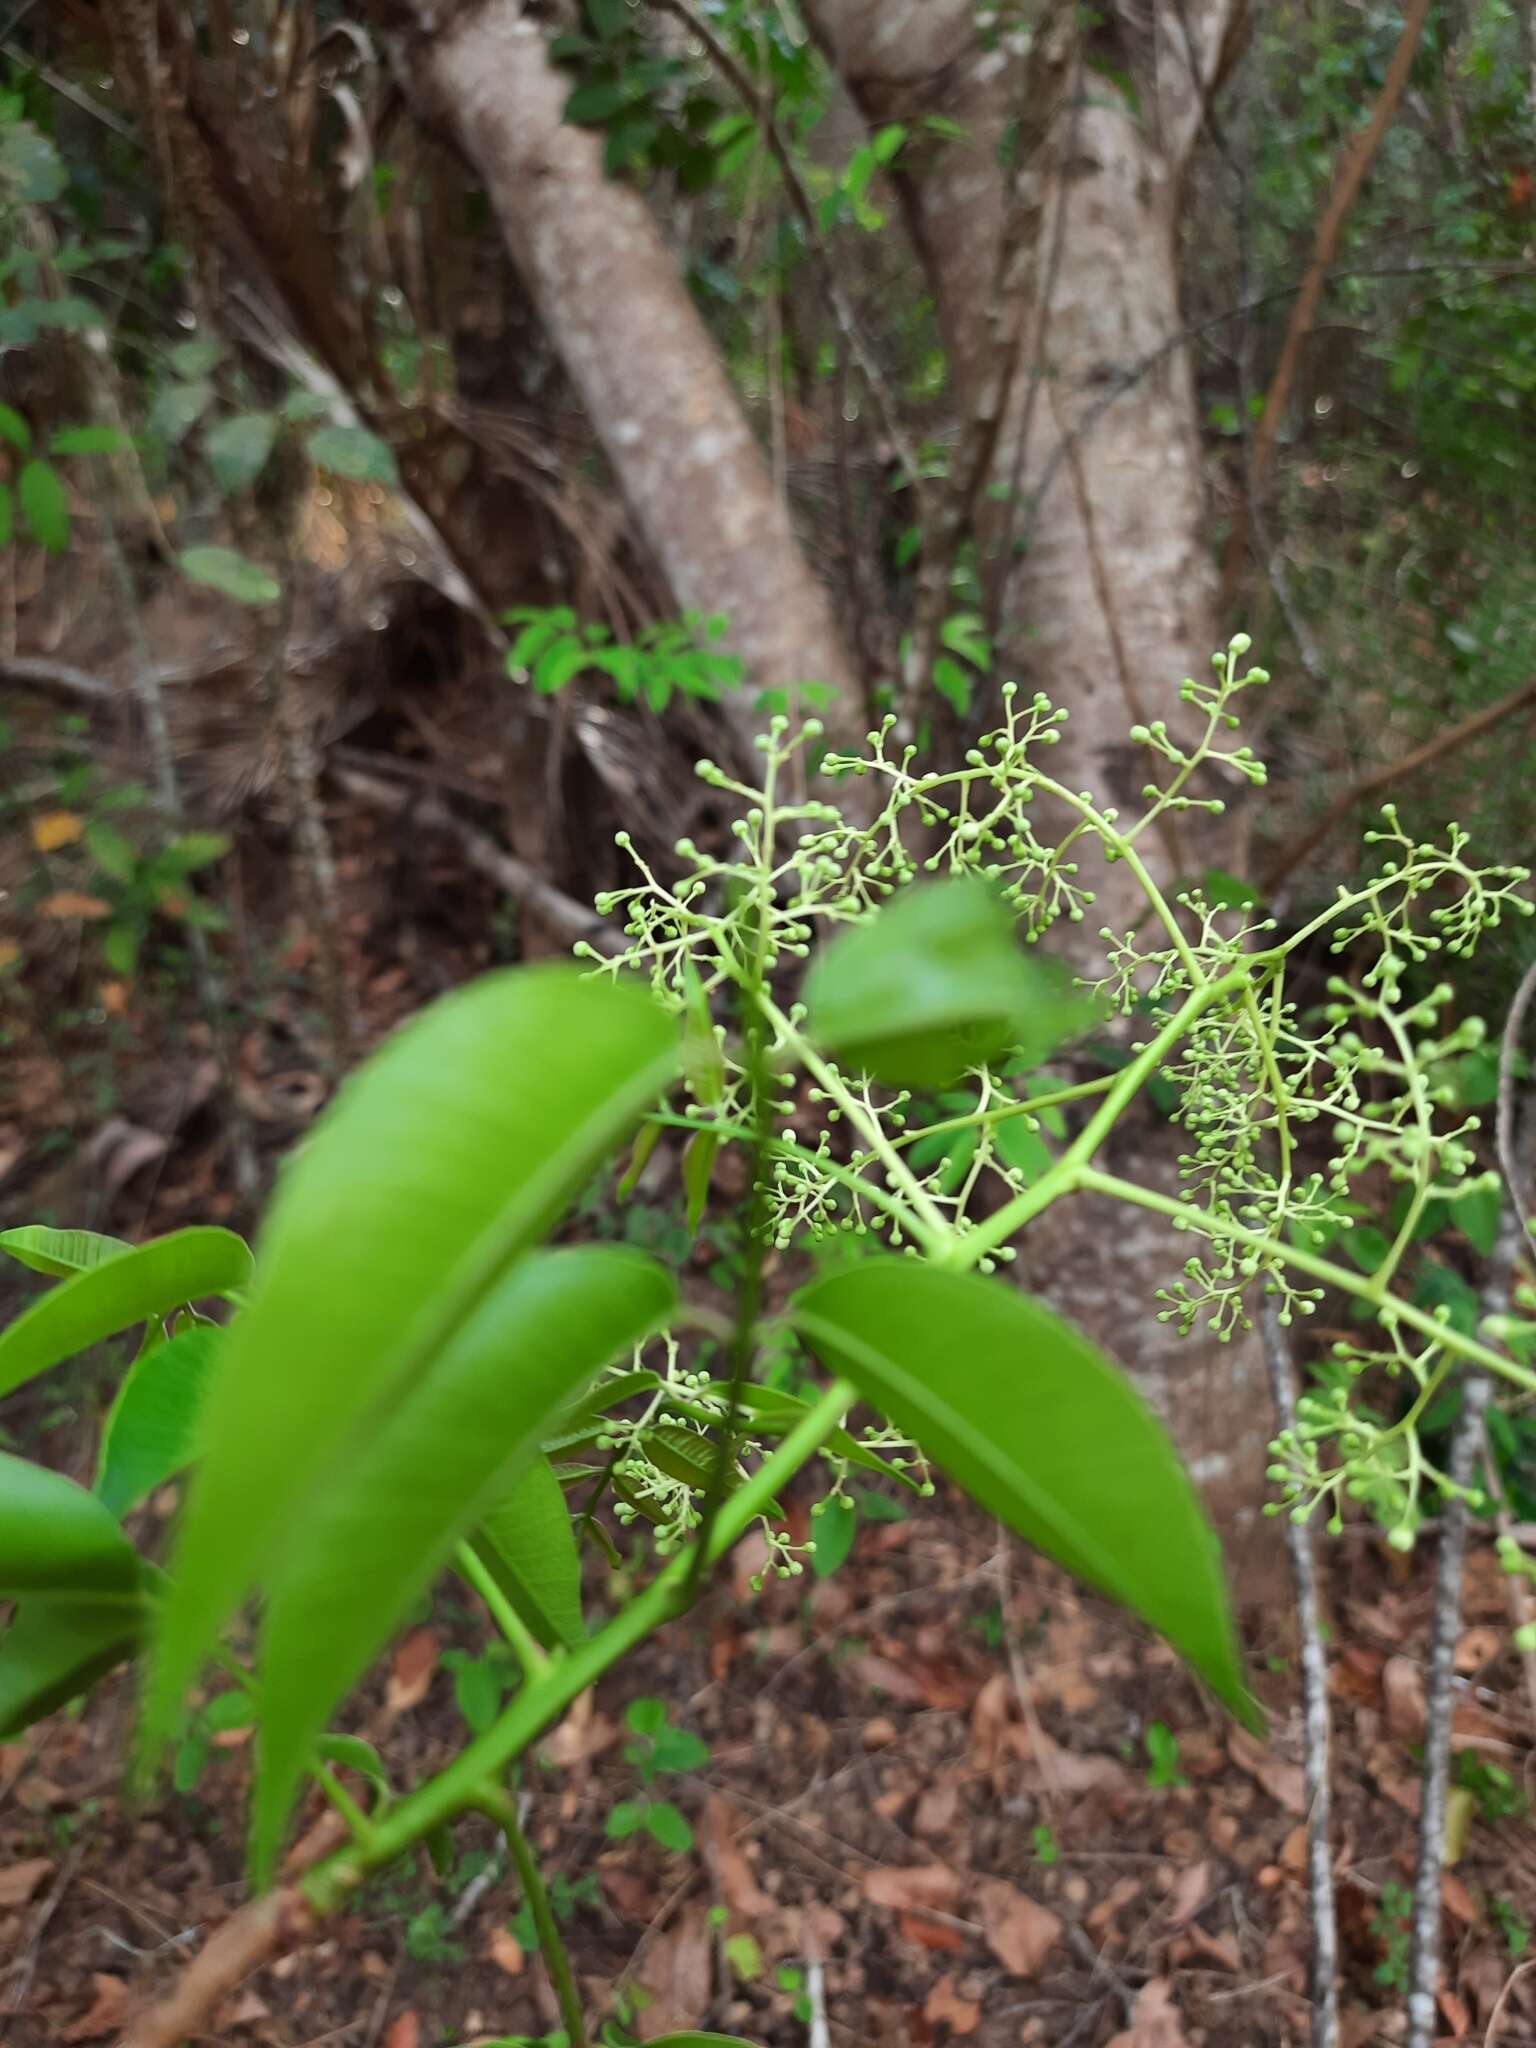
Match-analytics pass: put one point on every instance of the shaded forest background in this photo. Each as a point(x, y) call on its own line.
point(424, 432)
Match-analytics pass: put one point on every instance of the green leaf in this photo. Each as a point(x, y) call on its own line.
point(935, 984)
point(528, 1546)
point(57, 1538)
point(7, 515)
point(1477, 1216)
point(777, 1413)
point(1037, 1425)
point(594, 101)
point(952, 683)
point(56, 1648)
point(624, 1820)
point(444, 1158)
point(59, 1252)
point(113, 854)
point(178, 408)
point(150, 1431)
point(834, 1525)
point(351, 1753)
point(44, 505)
point(701, 2041)
point(667, 1825)
point(195, 358)
point(646, 1716)
point(90, 440)
point(698, 1166)
point(232, 575)
point(32, 172)
point(392, 1506)
point(355, 453)
point(238, 447)
point(13, 428)
point(148, 1280)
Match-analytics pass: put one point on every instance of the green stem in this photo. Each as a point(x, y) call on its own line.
point(359, 1826)
point(569, 1672)
point(926, 1222)
point(530, 1653)
point(1364, 1288)
point(501, 1808)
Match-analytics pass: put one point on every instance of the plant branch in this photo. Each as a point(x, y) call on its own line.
point(1439, 1706)
point(461, 1786)
point(1323, 1974)
point(1355, 161)
point(275, 1921)
point(1290, 857)
point(501, 1808)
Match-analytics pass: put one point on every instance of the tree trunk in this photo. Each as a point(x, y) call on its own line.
point(621, 319)
point(1097, 561)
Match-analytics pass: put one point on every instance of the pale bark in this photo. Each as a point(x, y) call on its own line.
point(1106, 603)
point(618, 313)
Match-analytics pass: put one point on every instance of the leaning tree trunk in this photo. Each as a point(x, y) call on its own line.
point(609, 294)
point(1048, 228)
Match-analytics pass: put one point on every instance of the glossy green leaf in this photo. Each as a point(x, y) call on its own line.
point(376, 1535)
point(150, 1432)
point(7, 515)
point(57, 1538)
point(60, 1252)
point(44, 505)
point(13, 428)
point(528, 1546)
point(351, 1753)
point(1036, 1424)
point(148, 1280)
point(699, 1156)
point(221, 569)
point(443, 1159)
point(58, 1645)
point(934, 984)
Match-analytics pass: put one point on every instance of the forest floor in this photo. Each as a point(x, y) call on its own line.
point(948, 1796)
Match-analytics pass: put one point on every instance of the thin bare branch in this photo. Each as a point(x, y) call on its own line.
point(1290, 857)
point(255, 1934)
point(519, 880)
point(1323, 1973)
point(1355, 161)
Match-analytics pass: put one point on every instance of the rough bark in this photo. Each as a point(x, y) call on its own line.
point(621, 319)
point(1098, 562)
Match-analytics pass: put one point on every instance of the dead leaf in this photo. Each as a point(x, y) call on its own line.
point(944, 2007)
point(1285, 1783)
point(934, 1934)
point(1457, 1900)
point(880, 1674)
point(1477, 1647)
point(1402, 1691)
point(937, 1807)
point(1221, 1949)
point(506, 1952)
point(914, 1888)
point(1191, 1888)
point(67, 903)
point(404, 2032)
point(21, 1880)
point(1120, 1893)
point(737, 1880)
point(1020, 1933)
point(583, 1734)
point(1454, 2013)
point(677, 1974)
point(106, 2011)
point(248, 2010)
point(54, 829)
point(411, 1671)
point(1155, 2021)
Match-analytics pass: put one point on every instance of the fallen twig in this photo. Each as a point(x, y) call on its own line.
point(1314, 1695)
point(242, 1944)
point(519, 880)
